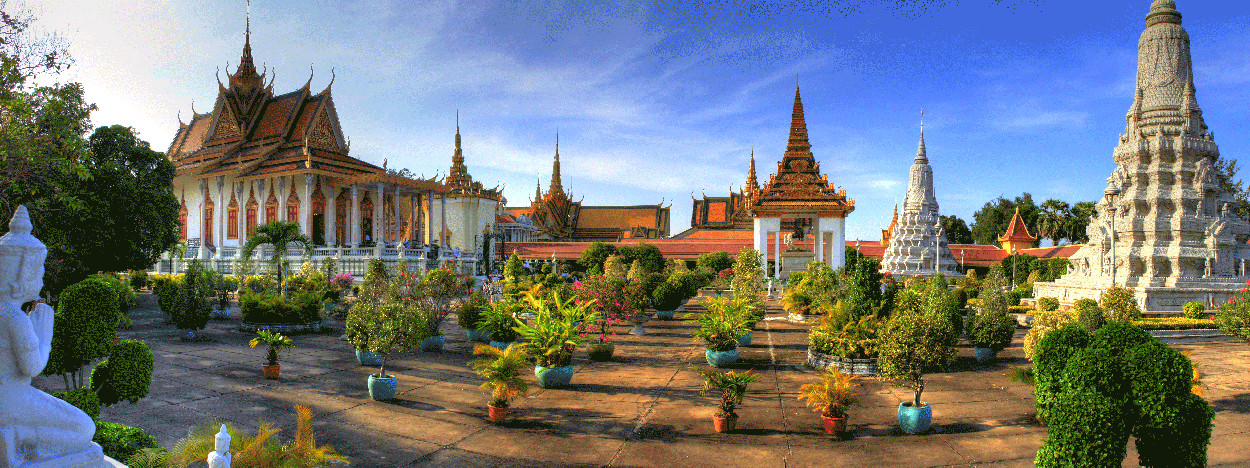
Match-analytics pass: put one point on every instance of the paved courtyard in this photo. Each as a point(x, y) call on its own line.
point(643, 409)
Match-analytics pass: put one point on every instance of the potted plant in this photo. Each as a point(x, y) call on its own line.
point(719, 328)
point(275, 342)
point(498, 321)
point(666, 298)
point(554, 335)
point(990, 333)
point(831, 397)
point(381, 329)
point(732, 386)
point(912, 342)
point(502, 370)
point(469, 313)
point(614, 300)
point(437, 289)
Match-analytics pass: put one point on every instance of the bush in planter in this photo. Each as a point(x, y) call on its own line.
point(614, 300)
point(1120, 304)
point(84, 327)
point(748, 275)
point(121, 442)
point(499, 321)
point(1193, 310)
point(912, 343)
point(126, 375)
point(502, 370)
point(732, 386)
point(832, 395)
point(1048, 303)
point(469, 312)
point(722, 324)
point(383, 328)
point(556, 331)
point(837, 335)
point(667, 296)
point(1088, 314)
point(991, 330)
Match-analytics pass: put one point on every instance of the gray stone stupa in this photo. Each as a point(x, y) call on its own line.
point(1175, 236)
point(918, 240)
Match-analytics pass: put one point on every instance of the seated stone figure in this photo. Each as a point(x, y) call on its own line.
point(36, 429)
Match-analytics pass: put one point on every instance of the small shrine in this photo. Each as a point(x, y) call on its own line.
point(800, 207)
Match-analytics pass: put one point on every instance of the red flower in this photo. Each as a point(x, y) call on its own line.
point(1244, 290)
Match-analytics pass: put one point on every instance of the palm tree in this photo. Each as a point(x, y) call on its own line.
point(278, 234)
point(1052, 220)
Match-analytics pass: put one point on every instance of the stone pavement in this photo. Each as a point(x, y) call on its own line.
point(643, 409)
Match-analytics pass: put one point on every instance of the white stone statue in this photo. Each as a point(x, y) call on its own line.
point(36, 429)
point(220, 456)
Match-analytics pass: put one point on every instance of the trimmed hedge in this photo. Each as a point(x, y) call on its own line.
point(120, 442)
point(270, 307)
point(84, 399)
point(126, 375)
point(1175, 323)
point(84, 328)
point(1089, 315)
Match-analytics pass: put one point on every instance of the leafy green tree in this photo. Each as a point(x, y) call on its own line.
point(513, 269)
point(1052, 219)
point(714, 261)
point(593, 257)
point(650, 256)
point(279, 235)
point(84, 329)
point(991, 220)
point(957, 231)
point(1078, 220)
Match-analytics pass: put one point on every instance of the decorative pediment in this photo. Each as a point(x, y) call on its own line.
point(323, 134)
point(227, 125)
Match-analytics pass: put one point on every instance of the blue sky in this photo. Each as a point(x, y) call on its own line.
point(658, 101)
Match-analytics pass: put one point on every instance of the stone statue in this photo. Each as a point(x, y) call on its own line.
point(36, 429)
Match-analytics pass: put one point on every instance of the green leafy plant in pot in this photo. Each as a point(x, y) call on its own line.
point(719, 329)
point(469, 313)
point(381, 329)
point(732, 386)
point(666, 298)
point(912, 342)
point(502, 370)
point(989, 333)
point(831, 397)
point(275, 342)
point(499, 322)
point(555, 333)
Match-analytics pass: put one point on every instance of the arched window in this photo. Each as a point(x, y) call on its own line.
point(252, 209)
point(182, 221)
point(292, 207)
point(207, 227)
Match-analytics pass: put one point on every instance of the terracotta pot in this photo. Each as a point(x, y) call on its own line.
point(834, 426)
point(725, 423)
point(271, 372)
point(497, 414)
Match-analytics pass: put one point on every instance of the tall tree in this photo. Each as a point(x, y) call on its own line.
point(1052, 219)
point(279, 235)
point(1078, 220)
point(1228, 178)
point(991, 220)
point(593, 257)
point(957, 231)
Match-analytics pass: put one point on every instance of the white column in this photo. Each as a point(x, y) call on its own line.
point(818, 239)
point(762, 227)
point(219, 216)
point(331, 218)
point(395, 208)
point(203, 192)
point(442, 220)
point(305, 207)
point(836, 228)
point(414, 211)
point(241, 190)
point(282, 194)
point(261, 210)
point(379, 206)
point(777, 253)
point(353, 220)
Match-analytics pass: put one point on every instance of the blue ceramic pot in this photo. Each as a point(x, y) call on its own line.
point(501, 345)
point(985, 354)
point(433, 343)
point(745, 340)
point(914, 420)
point(366, 358)
point(721, 358)
point(664, 314)
point(382, 388)
point(552, 377)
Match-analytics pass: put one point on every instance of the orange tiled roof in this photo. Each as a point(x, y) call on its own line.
point(1016, 230)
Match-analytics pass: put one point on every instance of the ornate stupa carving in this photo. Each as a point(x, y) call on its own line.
point(1175, 238)
point(916, 237)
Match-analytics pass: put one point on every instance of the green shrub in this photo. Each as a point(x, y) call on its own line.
point(912, 343)
point(961, 297)
point(1193, 310)
point(994, 331)
point(1120, 304)
point(194, 296)
point(1088, 314)
point(1013, 297)
point(714, 261)
point(84, 327)
point(167, 291)
point(500, 322)
point(126, 375)
point(1049, 359)
point(84, 399)
point(667, 296)
point(120, 442)
point(138, 278)
point(125, 296)
point(1044, 322)
point(1048, 303)
point(270, 307)
point(470, 311)
point(1175, 323)
point(795, 278)
point(1118, 337)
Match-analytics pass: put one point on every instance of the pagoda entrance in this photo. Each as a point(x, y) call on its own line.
point(789, 243)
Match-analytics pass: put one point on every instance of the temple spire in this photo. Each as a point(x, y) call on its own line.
point(556, 185)
point(753, 184)
point(245, 76)
point(458, 179)
point(922, 156)
point(798, 126)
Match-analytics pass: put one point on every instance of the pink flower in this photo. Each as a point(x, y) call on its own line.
point(1244, 290)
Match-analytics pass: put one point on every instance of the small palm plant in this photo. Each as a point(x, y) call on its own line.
point(502, 370)
point(556, 332)
point(831, 397)
point(732, 386)
point(275, 341)
point(721, 325)
point(280, 235)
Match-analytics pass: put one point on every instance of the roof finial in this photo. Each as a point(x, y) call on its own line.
point(922, 156)
point(457, 121)
point(248, 34)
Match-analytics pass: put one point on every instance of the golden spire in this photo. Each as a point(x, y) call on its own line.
point(798, 126)
point(556, 185)
point(753, 184)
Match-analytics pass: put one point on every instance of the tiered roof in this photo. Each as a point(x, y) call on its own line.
point(798, 186)
point(1016, 230)
point(459, 182)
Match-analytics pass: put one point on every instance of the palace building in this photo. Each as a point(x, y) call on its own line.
point(258, 157)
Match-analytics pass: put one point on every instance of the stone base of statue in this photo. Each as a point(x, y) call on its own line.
point(1153, 295)
point(795, 260)
point(91, 456)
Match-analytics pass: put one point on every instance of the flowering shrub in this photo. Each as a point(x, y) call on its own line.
point(1234, 316)
point(341, 281)
point(613, 299)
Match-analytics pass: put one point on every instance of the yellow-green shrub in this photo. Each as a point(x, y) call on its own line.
point(1044, 322)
